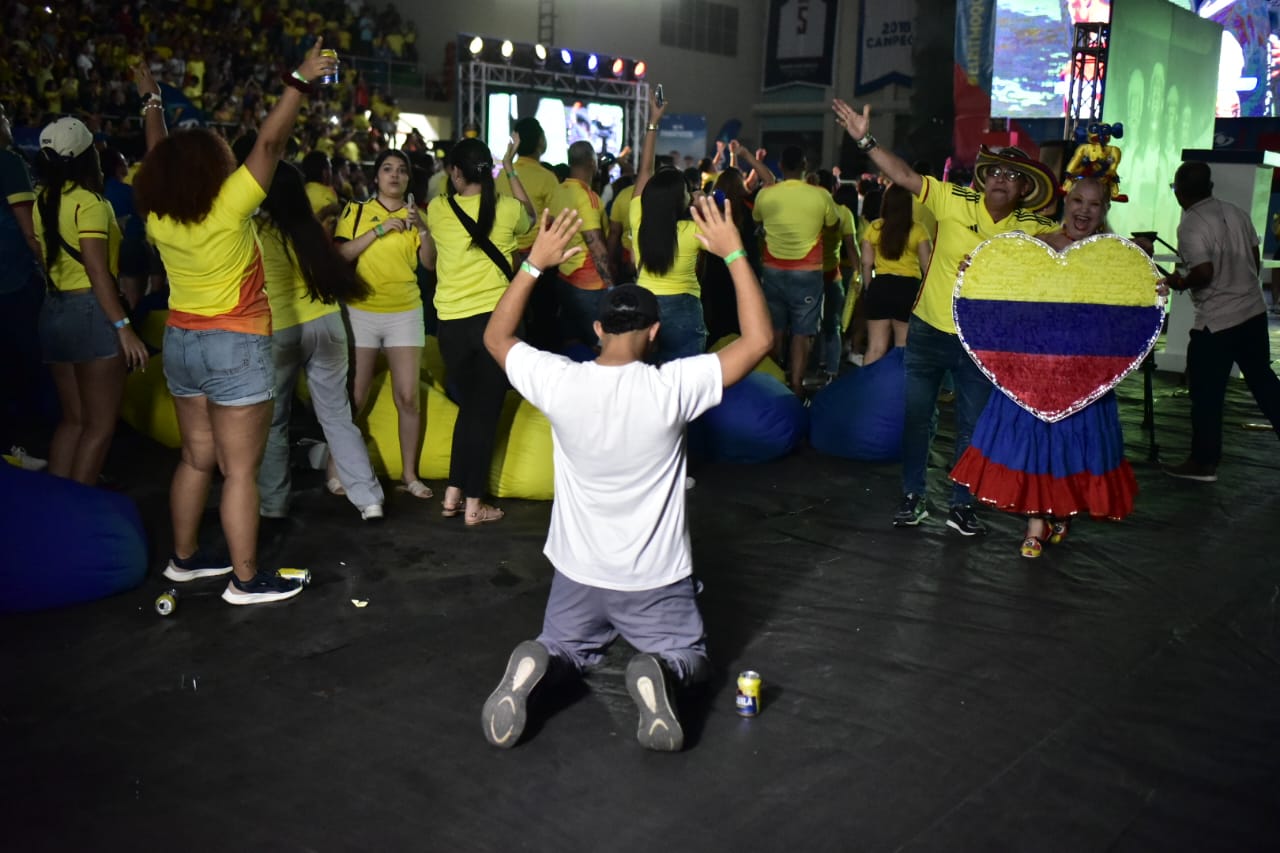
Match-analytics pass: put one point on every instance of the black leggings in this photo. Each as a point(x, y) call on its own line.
point(480, 387)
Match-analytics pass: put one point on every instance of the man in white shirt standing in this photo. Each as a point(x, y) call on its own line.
point(619, 539)
point(1220, 250)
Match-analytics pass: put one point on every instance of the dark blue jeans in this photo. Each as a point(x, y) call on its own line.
point(930, 354)
point(682, 332)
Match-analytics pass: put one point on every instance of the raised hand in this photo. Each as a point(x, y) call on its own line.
point(857, 124)
point(717, 231)
point(146, 84)
point(554, 235)
point(315, 66)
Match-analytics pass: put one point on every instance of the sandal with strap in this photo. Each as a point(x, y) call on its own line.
point(417, 488)
point(483, 515)
point(449, 510)
point(334, 485)
point(1058, 530)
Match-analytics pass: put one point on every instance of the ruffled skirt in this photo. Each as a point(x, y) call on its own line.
point(1018, 463)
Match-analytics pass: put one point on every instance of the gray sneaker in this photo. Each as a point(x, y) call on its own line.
point(911, 511)
point(659, 727)
point(505, 712)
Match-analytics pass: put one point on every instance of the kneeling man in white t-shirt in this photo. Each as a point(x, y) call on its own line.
point(619, 540)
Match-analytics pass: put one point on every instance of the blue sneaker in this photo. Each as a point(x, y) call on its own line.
point(196, 566)
point(262, 589)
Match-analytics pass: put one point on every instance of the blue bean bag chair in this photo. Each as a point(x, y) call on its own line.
point(758, 420)
point(860, 415)
point(65, 543)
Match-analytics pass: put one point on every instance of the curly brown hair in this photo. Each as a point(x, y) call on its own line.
point(182, 175)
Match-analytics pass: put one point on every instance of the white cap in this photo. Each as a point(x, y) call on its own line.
point(68, 137)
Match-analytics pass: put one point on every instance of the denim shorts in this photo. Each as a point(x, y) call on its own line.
point(74, 328)
point(794, 298)
point(230, 368)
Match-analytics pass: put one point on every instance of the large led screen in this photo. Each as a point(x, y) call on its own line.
point(1031, 69)
point(564, 121)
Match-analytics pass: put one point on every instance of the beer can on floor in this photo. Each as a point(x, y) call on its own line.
point(748, 693)
point(330, 79)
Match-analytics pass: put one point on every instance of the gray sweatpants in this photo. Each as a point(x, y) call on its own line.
point(581, 621)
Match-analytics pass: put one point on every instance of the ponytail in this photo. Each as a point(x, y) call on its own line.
point(473, 159)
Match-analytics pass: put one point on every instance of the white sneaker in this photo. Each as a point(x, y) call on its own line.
point(373, 512)
point(26, 461)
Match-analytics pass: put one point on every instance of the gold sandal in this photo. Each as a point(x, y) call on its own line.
point(483, 515)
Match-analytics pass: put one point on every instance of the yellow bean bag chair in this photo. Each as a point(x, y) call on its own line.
point(522, 459)
point(433, 370)
point(767, 366)
point(148, 406)
point(151, 328)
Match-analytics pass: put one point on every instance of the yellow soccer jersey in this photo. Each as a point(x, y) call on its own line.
point(539, 184)
point(683, 275)
point(215, 265)
point(833, 238)
point(82, 215)
point(291, 305)
point(469, 282)
point(794, 214)
point(963, 223)
point(580, 270)
point(620, 216)
point(390, 265)
point(909, 263)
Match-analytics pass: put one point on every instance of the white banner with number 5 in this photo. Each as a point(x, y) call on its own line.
point(884, 45)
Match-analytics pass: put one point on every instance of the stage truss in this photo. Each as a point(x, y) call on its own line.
point(1088, 82)
point(476, 78)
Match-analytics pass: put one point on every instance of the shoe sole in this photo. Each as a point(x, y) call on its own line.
point(174, 573)
point(659, 728)
point(1198, 478)
point(958, 529)
point(915, 522)
point(505, 712)
point(231, 596)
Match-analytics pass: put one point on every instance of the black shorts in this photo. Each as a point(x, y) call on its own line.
point(891, 297)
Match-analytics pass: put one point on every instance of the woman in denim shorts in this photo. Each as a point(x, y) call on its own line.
point(199, 211)
point(84, 330)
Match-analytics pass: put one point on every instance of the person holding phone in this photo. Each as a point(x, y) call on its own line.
point(383, 236)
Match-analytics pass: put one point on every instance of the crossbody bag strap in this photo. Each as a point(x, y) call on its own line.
point(482, 241)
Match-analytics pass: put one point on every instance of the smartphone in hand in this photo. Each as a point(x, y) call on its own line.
point(658, 97)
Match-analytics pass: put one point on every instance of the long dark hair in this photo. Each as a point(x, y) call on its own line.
point(182, 176)
point(56, 171)
point(733, 186)
point(473, 159)
point(895, 222)
point(327, 276)
point(662, 204)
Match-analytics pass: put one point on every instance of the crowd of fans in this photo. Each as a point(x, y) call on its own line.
point(217, 63)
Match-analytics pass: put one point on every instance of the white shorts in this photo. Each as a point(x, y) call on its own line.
point(375, 330)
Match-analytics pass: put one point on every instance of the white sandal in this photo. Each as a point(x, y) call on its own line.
point(417, 488)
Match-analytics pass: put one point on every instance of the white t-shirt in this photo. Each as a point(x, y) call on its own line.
point(619, 447)
point(1219, 233)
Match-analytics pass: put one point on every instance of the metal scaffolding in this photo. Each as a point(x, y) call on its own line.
point(477, 78)
point(547, 22)
point(1087, 83)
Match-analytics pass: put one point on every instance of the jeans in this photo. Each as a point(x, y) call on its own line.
point(682, 332)
point(794, 298)
point(831, 343)
point(1209, 359)
point(482, 389)
point(579, 310)
point(930, 353)
point(320, 348)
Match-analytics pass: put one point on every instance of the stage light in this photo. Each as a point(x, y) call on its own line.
point(640, 70)
point(566, 58)
point(593, 63)
point(508, 49)
point(618, 66)
point(477, 45)
point(540, 52)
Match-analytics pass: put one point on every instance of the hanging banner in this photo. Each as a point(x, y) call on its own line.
point(683, 137)
point(800, 43)
point(975, 40)
point(884, 46)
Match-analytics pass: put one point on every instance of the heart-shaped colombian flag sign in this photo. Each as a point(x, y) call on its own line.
point(1056, 330)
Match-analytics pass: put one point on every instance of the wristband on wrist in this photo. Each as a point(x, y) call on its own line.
point(511, 175)
point(653, 128)
point(734, 255)
point(121, 323)
point(866, 143)
point(152, 105)
point(296, 81)
point(379, 229)
point(151, 98)
point(531, 269)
